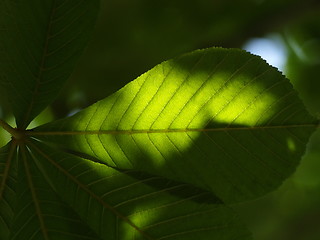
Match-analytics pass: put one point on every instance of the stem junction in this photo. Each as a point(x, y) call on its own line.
point(14, 132)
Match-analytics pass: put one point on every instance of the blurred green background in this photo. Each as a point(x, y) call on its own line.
point(133, 36)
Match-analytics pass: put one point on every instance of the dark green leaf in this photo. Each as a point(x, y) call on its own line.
point(40, 42)
point(126, 205)
point(8, 188)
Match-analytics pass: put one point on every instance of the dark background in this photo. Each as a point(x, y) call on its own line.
point(133, 36)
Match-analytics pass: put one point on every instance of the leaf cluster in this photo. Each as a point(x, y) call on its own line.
point(165, 157)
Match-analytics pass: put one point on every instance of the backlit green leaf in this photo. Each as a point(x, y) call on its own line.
point(221, 120)
point(40, 42)
point(122, 205)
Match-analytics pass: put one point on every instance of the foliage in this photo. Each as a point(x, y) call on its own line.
point(168, 156)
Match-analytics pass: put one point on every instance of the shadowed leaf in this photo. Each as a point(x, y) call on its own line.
point(222, 120)
point(8, 188)
point(40, 42)
point(132, 205)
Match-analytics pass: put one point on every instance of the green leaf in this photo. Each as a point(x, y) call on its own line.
point(39, 213)
point(40, 42)
point(221, 120)
point(65, 197)
point(8, 185)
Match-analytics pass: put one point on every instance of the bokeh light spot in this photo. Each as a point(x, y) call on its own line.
point(271, 48)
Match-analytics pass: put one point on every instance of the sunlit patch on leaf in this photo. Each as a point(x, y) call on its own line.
point(291, 144)
point(218, 119)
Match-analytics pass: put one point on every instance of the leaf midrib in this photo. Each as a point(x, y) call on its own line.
point(92, 194)
point(7, 168)
point(34, 194)
point(41, 66)
point(150, 131)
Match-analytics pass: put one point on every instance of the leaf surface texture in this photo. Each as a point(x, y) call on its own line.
point(164, 158)
point(60, 196)
point(40, 42)
point(220, 119)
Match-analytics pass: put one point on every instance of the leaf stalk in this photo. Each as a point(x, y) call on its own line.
point(14, 132)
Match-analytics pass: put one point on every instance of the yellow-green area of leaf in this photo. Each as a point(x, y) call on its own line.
point(221, 120)
point(160, 158)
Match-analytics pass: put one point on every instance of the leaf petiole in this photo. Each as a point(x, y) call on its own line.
point(15, 133)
